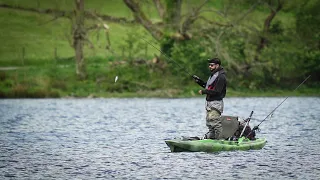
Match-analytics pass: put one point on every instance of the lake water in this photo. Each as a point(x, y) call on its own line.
point(124, 139)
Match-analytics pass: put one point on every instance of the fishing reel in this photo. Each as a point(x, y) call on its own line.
point(256, 128)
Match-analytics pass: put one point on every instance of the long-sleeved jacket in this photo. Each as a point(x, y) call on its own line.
point(217, 89)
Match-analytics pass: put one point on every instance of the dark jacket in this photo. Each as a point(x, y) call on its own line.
point(217, 89)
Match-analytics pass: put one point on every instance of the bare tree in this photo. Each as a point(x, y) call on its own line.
point(79, 36)
point(174, 24)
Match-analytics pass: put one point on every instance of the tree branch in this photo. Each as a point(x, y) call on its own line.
point(266, 27)
point(142, 18)
point(68, 14)
point(160, 9)
point(172, 17)
point(248, 12)
point(191, 18)
point(53, 19)
point(215, 23)
point(58, 13)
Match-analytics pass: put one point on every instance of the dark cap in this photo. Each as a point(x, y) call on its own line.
point(215, 60)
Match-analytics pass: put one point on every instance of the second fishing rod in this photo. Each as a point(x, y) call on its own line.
point(270, 114)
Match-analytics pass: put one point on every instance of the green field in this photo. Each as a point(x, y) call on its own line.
point(41, 38)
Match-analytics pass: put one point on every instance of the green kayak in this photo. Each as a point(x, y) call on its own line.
point(209, 145)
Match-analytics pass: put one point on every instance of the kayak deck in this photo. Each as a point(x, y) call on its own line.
point(209, 145)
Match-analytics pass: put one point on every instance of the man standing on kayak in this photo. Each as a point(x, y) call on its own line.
point(215, 90)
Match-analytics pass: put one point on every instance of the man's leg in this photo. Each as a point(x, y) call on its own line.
point(213, 123)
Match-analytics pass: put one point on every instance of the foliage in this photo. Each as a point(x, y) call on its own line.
point(307, 23)
point(133, 47)
point(189, 57)
point(38, 46)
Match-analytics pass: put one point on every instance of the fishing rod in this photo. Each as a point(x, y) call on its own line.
point(166, 56)
point(257, 127)
point(247, 122)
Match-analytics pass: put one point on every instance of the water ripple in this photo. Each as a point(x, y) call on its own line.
point(124, 139)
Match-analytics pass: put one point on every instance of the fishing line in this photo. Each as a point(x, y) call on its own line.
point(166, 56)
point(185, 70)
point(257, 127)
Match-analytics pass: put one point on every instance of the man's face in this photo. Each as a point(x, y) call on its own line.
point(213, 66)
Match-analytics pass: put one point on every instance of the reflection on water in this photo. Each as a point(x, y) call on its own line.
point(124, 139)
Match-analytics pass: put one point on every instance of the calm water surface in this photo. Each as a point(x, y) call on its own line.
point(124, 139)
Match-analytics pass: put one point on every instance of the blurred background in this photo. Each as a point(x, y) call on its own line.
point(63, 48)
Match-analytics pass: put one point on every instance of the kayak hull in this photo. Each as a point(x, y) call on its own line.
point(209, 145)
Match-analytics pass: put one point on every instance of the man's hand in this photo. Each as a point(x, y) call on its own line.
point(200, 92)
point(196, 78)
point(199, 81)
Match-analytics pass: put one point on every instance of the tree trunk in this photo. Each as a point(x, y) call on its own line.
point(78, 40)
point(141, 18)
point(266, 27)
point(173, 15)
point(160, 9)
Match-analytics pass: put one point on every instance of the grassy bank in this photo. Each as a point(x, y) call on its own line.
point(52, 79)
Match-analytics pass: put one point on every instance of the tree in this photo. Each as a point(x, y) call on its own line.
point(172, 27)
point(274, 7)
point(176, 26)
point(79, 30)
point(255, 38)
point(308, 30)
point(79, 35)
point(307, 23)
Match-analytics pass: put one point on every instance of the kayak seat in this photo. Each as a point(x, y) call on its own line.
point(230, 125)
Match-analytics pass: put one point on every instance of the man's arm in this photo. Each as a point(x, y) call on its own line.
point(221, 81)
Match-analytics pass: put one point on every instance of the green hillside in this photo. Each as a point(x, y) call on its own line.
point(37, 57)
point(39, 35)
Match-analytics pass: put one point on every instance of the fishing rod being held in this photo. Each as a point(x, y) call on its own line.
point(257, 127)
point(196, 78)
point(199, 81)
point(167, 57)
